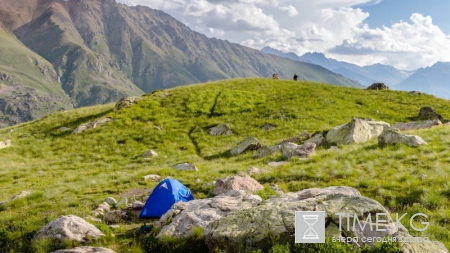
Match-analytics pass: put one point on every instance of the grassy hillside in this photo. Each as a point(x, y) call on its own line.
point(28, 84)
point(72, 174)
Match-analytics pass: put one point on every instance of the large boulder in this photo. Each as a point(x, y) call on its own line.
point(89, 125)
point(412, 244)
point(249, 229)
point(126, 102)
point(393, 136)
point(245, 183)
point(427, 113)
point(378, 86)
point(358, 131)
point(220, 130)
point(85, 249)
point(249, 143)
point(70, 227)
point(288, 150)
point(201, 212)
point(417, 125)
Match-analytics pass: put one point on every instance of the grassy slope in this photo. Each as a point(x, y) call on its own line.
point(72, 174)
point(29, 73)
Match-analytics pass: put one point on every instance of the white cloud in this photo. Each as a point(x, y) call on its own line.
point(332, 27)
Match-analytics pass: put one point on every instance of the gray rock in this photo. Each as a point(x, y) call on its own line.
point(244, 230)
point(266, 151)
point(220, 130)
point(105, 206)
point(410, 244)
point(5, 144)
point(137, 205)
point(358, 131)
point(63, 129)
point(149, 153)
point(417, 125)
point(245, 145)
point(276, 189)
point(378, 86)
point(22, 194)
point(202, 212)
point(90, 125)
point(414, 92)
point(254, 199)
point(185, 166)
point(110, 201)
point(288, 150)
point(393, 136)
point(198, 181)
point(245, 183)
point(126, 102)
point(427, 113)
point(85, 249)
point(318, 139)
point(113, 216)
point(268, 127)
point(152, 177)
point(70, 227)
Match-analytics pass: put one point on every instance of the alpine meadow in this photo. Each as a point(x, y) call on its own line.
point(71, 173)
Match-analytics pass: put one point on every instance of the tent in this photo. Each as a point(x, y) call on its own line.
point(165, 194)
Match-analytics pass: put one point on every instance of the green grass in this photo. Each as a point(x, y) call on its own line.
point(72, 174)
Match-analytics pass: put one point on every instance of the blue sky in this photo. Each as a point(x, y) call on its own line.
point(407, 34)
point(388, 12)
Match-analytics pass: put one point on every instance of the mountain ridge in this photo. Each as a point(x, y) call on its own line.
point(366, 75)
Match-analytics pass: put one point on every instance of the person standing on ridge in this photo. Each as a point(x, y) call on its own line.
point(295, 76)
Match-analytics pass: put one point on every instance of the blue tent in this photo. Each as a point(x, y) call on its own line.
point(166, 193)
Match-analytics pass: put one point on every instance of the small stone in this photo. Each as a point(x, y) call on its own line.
point(110, 201)
point(197, 181)
point(185, 166)
point(22, 194)
point(149, 153)
point(152, 177)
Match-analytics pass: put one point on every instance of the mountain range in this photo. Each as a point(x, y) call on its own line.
point(366, 75)
point(58, 55)
point(433, 80)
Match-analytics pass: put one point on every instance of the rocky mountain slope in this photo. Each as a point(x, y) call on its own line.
point(69, 162)
point(96, 52)
point(366, 75)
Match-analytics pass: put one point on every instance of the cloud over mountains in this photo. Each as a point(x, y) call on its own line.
point(334, 27)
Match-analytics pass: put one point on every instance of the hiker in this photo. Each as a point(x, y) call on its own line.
point(273, 75)
point(276, 76)
point(295, 76)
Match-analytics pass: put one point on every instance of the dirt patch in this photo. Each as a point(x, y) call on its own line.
point(136, 192)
